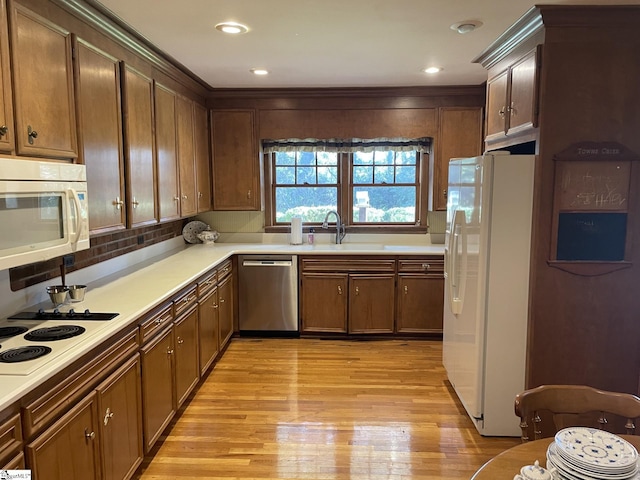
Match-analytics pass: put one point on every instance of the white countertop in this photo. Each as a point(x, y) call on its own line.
point(136, 290)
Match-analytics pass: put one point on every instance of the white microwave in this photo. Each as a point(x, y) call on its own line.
point(43, 210)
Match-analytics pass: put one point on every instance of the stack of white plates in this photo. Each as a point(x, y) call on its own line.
point(580, 453)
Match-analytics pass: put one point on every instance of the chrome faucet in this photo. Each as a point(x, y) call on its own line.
point(340, 228)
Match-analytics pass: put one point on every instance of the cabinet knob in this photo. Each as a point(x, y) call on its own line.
point(32, 134)
point(3, 130)
point(89, 435)
point(184, 197)
point(180, 341)
point(426, 266)
point(200, 195)
point(169, 351)
point(249, 194)
point(512, 109)
point(357, 290)
point(135, 203)
point(222, 300)
point(501, 112)
point(176, 198)
point(215, 305)
point(406, 290)
point(118, 203)
point(339, 290)
point(444, 193)
point(107, 416)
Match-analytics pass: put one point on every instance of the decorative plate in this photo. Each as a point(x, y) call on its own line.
point(571, 471)
point(192, 229)
point(596, 450)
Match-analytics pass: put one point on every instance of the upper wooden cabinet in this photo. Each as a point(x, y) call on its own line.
point(99, 115)
point(7, 139)
point(139, 147)
point(186, 157)
point(203, 159)
point(460, 136)
point(166, 153)
point(512, 99)
point(236, 164)
point(43, 86)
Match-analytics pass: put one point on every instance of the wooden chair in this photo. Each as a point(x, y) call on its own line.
point(574, 405)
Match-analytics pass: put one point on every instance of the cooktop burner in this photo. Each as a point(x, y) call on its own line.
point(22, 354)
point(58, 315)
point(59, 332)
point(6, 332)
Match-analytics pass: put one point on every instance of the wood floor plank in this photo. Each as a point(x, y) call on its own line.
point(317, 409)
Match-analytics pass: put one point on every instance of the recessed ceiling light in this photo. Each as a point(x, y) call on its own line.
point(232, 28)
point(432, 70)
point(259, 71)
point(466, 26)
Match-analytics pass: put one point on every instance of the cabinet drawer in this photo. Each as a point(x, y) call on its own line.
point(155, 322)
point(185, 301)
point(348, 264)
point(10, 438)
point(207, 283)
point(16, 463)
point(427, 265)
point(224, 269)
point(66, 389)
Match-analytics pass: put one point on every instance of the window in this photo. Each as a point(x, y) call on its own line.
point(368, 182)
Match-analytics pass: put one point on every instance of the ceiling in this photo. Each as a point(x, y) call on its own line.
point(326, 43)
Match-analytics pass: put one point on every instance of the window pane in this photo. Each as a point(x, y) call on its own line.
point(285, 175)
point(468, 173)
point(312, 203)
point(406, 174)
point(405, 158)
point(327, 158)
point(384, 158)
point(306, 158)
point(306, 175)
point(383, 175)
point(362, 158)
point(386, 205)
point(328, 175)
point(362, 175)
point(285, 158)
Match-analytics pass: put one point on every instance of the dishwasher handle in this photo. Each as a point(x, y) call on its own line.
point(267, 263)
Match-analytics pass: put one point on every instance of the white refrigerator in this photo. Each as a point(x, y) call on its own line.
point(487, 258)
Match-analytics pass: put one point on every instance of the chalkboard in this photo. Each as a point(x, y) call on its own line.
point(591, 236)
point(589, 185)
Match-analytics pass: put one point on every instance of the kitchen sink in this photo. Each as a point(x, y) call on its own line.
point(347, 246)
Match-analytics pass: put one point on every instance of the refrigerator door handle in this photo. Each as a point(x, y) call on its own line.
point(457, 267)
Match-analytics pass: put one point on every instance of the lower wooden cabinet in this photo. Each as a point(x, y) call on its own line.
point(420, 295)
point(225, 310)
point(16, 463)
point(187, 371)
point(324, 302)
point(208, 329)
point(371, 303)
point(69, 449)
point(120, 415)
point(158, 403)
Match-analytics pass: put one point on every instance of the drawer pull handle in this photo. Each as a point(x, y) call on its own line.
point(426, 266)
point(107, 416)
point(89, 435)
point(118, 203)
point(159, 321)
point(31, 134)
point(3, 130)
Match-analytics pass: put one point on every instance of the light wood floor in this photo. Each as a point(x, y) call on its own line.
point(323, 409)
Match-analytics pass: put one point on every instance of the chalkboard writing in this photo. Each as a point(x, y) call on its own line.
point(591, 236)
point(594, 186)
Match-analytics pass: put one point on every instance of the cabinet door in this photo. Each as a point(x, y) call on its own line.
point(323, 300)
point(158, 403)
point(69, 449)
point(166, 153)
point(99, 117)
point(43, 86)
point(523, 106)
point(7, 141)
point(139, 147)
point(371, 303)
point(225, 310)
point(460, 136)
point(120, 415)
point(208, 332)
point(420, 303)
point(186, 355)
point(236, 174)
point(203, 159)
point(497, 91)
point(186, 157)
point(16, 463)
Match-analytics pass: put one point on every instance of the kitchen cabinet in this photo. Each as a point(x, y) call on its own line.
point(208, 328)
point(203, 159)
point(460, 135)
point(166, 153)
point(68, 449)
point(420, 295)
point(99, 115)
point(139, 147)
point(347, 295)
point(512, 99)
point(187, 371)
point(225, 304)
point(236, 162)
point(120, 414)
point(186, 156)
point(16, 463)
point(43, 86)
point(7, 140)
point(158, 403)
point(10, 438)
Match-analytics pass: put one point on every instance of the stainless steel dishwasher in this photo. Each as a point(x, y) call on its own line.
point(268, 294)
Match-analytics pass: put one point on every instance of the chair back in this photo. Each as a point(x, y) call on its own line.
point(550, 408)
